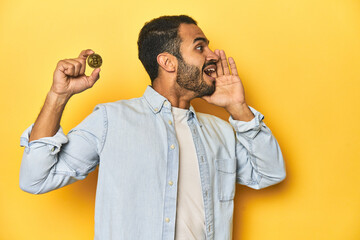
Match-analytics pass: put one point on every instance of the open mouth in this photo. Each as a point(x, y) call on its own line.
point(210, 70)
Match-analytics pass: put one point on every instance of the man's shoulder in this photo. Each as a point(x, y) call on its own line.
point(121, 104)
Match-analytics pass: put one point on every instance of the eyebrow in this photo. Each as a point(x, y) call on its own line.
point(201, 39)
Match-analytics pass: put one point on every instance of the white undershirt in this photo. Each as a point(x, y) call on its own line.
point(190, 223)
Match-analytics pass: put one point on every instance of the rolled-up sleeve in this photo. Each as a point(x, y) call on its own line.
point(259, 159)
point(53, 162)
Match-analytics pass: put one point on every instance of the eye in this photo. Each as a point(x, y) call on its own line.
point(200, 48)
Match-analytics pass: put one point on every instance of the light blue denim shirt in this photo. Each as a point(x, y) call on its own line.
point(135, 145)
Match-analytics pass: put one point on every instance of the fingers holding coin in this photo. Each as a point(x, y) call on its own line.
point(76, 66)
point(94, 60)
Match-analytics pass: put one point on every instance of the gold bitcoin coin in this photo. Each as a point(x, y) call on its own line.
point(94, 60)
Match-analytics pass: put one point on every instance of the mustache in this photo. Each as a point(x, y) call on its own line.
point(212, 62)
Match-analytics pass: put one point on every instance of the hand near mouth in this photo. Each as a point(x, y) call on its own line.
point(229, 92)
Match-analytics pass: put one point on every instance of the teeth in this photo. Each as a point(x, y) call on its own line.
point(209, 71)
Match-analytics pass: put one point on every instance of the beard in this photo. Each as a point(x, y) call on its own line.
point(189, 77)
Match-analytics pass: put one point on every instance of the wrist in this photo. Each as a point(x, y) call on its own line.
point(58, 98)
point(240, 112)
point(55, 101)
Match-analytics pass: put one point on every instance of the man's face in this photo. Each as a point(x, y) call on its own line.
point(197, 68)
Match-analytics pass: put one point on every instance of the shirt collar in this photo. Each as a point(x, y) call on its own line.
point(154, 99)
point(156, 102)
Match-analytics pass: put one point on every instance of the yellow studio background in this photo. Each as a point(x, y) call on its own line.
point(300, 65)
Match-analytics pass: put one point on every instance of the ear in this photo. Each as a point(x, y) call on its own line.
point(167, 62)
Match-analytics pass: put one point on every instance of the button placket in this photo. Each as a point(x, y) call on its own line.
point(169, 210)
point(205, 176)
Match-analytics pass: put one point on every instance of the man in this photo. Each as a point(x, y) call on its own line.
point(165, 171)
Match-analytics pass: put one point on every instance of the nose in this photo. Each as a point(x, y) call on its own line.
point(212, 56)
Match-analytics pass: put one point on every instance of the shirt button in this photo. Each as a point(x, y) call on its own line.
point(170, 122)
point(53, 149)
point(167, 220)
point(166, 103)
point(156, 109)
point(171, 183)
point(172, 146)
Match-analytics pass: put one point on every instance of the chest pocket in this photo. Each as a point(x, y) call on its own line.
point(225, 178)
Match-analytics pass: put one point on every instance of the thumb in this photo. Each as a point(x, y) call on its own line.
point(95, 75)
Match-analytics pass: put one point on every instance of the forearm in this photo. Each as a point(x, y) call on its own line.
point(48, 121)
point(265, 154)
point(261, 165)
point(260, 161)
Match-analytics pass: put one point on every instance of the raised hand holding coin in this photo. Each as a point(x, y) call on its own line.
point(69, 75)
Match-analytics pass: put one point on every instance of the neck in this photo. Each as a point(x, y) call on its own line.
point(178, 96)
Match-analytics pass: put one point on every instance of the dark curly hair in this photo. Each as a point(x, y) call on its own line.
point(158, 36)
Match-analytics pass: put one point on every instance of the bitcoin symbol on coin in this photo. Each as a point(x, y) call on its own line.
point(94, 60)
